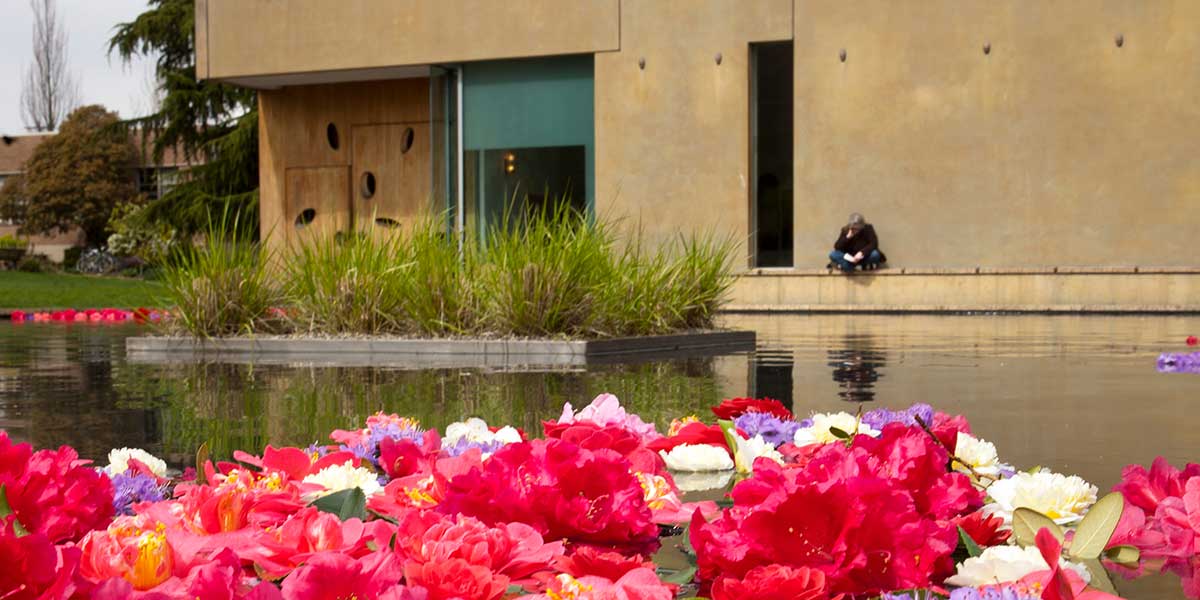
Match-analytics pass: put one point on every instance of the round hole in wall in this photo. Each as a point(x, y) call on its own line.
point(367, 185)
point(331, 134)
point(305, 217)
point(386, 222)
point(406, 141)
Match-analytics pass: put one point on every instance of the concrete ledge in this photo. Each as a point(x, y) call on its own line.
point(895, 271)
point(427, 353)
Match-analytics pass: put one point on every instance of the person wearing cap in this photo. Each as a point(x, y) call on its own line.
point(856, 246)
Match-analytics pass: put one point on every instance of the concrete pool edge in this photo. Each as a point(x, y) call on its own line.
point(380, 351)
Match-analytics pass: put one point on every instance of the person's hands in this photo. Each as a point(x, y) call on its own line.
point(858, 256)
point(850, 233)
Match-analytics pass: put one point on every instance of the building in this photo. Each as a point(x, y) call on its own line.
point(154, 179)
point(1012, 155)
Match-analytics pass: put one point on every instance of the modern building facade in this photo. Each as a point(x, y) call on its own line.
point(1011, 155)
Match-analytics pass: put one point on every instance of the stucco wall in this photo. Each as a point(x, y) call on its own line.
point(1056, 148)
point(272, 37)
point(672, 139)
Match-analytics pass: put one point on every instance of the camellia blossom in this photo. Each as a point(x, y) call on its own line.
point(770, 582)
point(1065, 499)
point(820, 430)
point(1004, 564)
point(637, 584)
point(977, 456)
point(697, 457)
point(118, 461)
point(55, 493)
point(336, 478)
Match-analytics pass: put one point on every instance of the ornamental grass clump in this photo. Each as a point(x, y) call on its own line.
point(225, 286)
point(439, 288)
point(354, 285)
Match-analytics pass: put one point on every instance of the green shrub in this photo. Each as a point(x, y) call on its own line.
point(33, 264)
point(11, 242)
point(71, 257)
point(224, 287)
point(352, 285)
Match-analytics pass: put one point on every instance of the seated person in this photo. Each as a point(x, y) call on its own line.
point(856, 246)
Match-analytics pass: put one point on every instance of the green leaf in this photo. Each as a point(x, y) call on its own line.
point(1097, 527)
point(1100, 579)
point(201, 458)
point(346, 504)
point(1027, 522)
point(6, 510)
point(514, 590)
point(681, 577)
point(973, 549)
point(730, 431)
point(1126, 556)
point(839, 433)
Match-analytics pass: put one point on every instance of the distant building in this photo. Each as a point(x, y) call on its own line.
point(1031, 156)
point(154, 180)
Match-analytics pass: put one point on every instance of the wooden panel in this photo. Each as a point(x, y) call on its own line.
point(401, 171)
point(325, 190)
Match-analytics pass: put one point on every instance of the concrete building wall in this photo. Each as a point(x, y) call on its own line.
point(1058, 147)
point(672, 138)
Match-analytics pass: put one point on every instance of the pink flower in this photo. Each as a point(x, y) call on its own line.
point(278, 550)
point(1145, 489)
point(336, 576)
point(587, 560)
point(772, 582)
point(563, 491)
point(56, 494)
point(623, 441)
point(36, 569)
point(604, 410)
point(219, 578)
point(637, 584)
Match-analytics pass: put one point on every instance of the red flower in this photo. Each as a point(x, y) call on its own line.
point(36, 569)
point(733, 408)
point(336, 576)
point(591, 436)
point(587, 560)
point(772, 582)
point(1146, 489)
point(276, 551)
point(909, 458)
point(1191, 339)
point(984, 529)
point(57, 495)
point(563, 491)
point(692, 433)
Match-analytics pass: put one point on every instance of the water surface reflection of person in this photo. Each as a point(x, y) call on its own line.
point(856, 368)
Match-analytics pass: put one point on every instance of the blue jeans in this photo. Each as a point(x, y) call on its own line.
point(837, 258)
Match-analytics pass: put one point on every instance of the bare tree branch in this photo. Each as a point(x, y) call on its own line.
point(51, 91)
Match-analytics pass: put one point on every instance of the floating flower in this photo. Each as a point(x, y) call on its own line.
point(131, 488)
point(118, 461)
point(697, 457)
point(821, 431)
point(1064, 499)
point(910, 416)
point(747, 451)
point(56, 494)
point(637, 584)
point(773, 429)
point(337, 576)
point(605, 409)
point(700, 481)
point(476, 430)
point(978, 457)
point(1191, 340)
point(1005, 564)
point(984, 529)
point(732, 408)
point(336, 478)
point(773, 582)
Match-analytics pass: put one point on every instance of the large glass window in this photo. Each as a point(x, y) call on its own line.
point(771, 116)
point(528, 137)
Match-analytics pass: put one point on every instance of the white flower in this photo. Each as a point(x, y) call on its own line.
point(507, 435)
point(978, 454)
point(699, 482)
point(118, 461)
point(819, 432)
point(1003, 564)
point(475, 430)
point(697, 457)
point(749, 450)
point(1064, 499)
point(343, 477)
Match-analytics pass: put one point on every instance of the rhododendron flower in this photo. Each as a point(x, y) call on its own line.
point(605, 409)
point(35, 569)
point(1004, 564)
point(1145, 489)
point(336, 576)
point(595, 437)
point(336, 478)
point(563, 491)
point(823, 424)
point(118, 461)
point(1064, 499)
point(774, 430)
point(732, 408)
point(697, 457)
point(278, 550)
point(637, 584)
point(773, 582)
point(984, 529)
point(55, 493)
point(587, 560)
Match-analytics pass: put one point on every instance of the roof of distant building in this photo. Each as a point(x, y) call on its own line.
point(16, 149)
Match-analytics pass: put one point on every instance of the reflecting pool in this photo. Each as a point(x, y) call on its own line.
point(1077, 394)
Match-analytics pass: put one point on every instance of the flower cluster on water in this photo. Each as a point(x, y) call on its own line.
point(888, 504)
point(91, 315)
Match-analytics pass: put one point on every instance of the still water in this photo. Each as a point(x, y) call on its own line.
point(1077, 394)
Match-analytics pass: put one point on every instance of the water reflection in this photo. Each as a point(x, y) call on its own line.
point(856, 365)
point(771, 375)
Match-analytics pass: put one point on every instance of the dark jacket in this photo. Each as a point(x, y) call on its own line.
point(864, 241)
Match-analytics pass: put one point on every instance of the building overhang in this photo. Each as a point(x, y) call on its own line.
point(273, 82)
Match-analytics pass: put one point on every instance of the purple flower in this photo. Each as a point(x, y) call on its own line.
point(463, 444)
point(368, 450)
point(995, 592)
point(130, 488)
point(774, 431)
point(881, 416)
point(1179, 362)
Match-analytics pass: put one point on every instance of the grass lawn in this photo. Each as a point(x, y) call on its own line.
point(61, 290)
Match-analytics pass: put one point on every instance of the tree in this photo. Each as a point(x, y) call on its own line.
point(77, 177)
point(50, 91)
point(214, 124)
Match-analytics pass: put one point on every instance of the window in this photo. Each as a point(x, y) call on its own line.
point(771, 116)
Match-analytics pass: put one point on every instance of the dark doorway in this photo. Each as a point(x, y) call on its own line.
point(771, 116)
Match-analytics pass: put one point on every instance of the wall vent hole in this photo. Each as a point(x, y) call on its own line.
point(407, 141)
point(386, 222)
point(367, 185)
point(305, 217)
point(331, 134)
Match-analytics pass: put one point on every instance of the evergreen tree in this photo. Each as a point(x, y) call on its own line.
point(210, 123)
